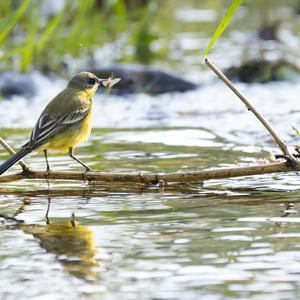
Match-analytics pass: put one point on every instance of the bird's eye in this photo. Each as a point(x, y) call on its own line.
point(92, 81)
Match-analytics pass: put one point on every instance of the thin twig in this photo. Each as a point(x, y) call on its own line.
point(250, 107)
point(155, 179)
point(11, 151)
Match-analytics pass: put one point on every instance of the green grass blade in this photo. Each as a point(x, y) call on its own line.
point(27, 52)
point(49, 30)
point(120, 9)
point(222, 26)
point(296, 130)
point(14, 19)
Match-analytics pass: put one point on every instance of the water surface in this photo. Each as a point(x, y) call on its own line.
point(224, 238)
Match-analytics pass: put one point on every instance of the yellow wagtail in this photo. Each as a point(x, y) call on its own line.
point(66, 120)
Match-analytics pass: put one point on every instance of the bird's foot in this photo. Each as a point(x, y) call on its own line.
point(87, 170)
point(27, 171)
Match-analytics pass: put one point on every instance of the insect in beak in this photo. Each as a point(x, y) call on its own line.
point(109, 82)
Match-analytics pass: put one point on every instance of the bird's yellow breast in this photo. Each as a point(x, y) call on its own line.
point(71, 137)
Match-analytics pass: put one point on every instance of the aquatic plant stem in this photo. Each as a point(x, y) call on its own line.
point(250, 107)
point(12, 152)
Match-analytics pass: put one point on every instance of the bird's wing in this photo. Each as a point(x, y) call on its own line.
point(47, 125)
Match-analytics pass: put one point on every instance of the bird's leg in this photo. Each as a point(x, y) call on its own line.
point(47, 162)
point(71, 154)
point(48, 166)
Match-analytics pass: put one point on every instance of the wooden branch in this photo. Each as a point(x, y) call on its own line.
point(11, 151)
point(160, 179)
point(250, 107)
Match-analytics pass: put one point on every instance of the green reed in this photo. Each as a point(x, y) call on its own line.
point(30, 39)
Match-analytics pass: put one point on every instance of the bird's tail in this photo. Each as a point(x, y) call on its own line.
point(14, 159)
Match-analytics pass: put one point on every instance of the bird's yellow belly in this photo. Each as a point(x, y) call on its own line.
point(71, 137)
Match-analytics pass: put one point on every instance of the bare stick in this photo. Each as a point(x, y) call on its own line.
point(154, 179)
point(159, 179)
point(11, 151)
point(250, 107)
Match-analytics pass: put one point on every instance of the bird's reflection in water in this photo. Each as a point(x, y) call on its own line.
point(72, 243)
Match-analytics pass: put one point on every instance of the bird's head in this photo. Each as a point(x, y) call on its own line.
point(89, 83)
point(85, 81)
